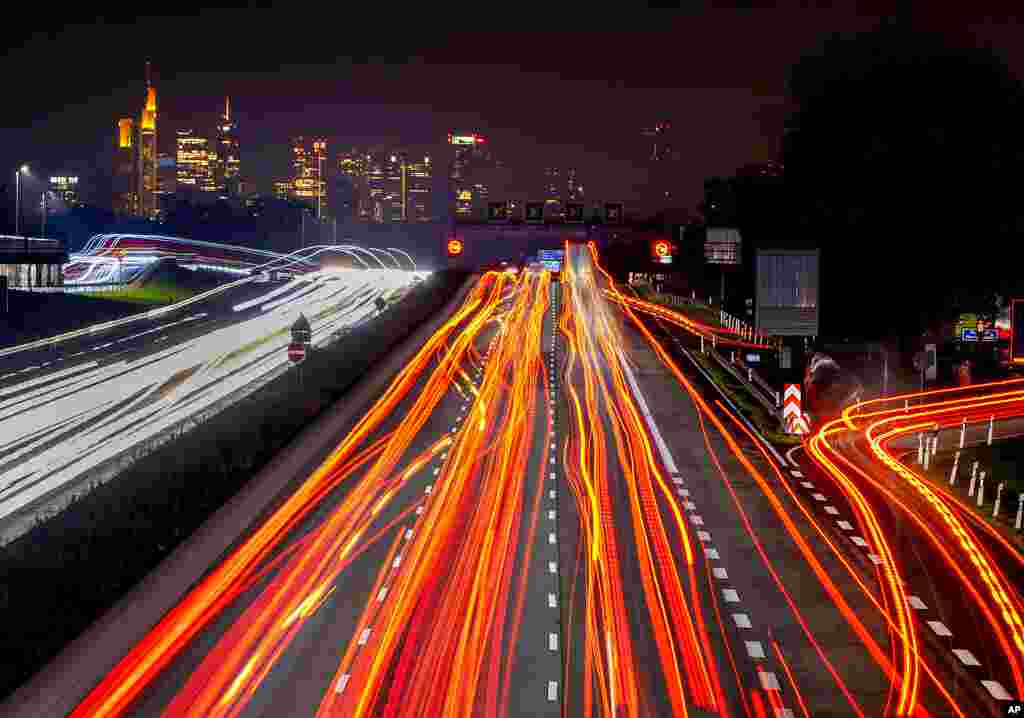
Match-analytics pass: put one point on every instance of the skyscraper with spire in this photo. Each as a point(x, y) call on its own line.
point(147, 155)
point(228, 168)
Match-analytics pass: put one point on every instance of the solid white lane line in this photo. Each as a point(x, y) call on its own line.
point(754, 649)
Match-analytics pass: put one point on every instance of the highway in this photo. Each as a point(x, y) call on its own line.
point(65, 409)
point(550, 510)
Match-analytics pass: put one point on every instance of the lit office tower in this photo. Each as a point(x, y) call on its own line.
point(126, 184)
point(227, 177)
point(309, 184)
point(65, 189)
point(469, 156)
point(353, 167)
point(416, 189)
point(192, 163)
point(147, 172)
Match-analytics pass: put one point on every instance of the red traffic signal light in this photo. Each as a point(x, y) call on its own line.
point(454, 247)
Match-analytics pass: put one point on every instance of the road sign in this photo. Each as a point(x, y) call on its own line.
point(990, 335)
point(792, 412)
point(966, 335)
point(497, 211)
point(454, 247)
point(613, 212)
point(556, 255)
point(296, 351)
point(661, 251)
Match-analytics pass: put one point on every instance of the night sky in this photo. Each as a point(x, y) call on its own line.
point(568, 89)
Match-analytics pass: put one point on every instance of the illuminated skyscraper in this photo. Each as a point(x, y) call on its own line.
point(65, 189)
point(353, 166)
point(192, 166)
point(126, 183)
point(227, 170)
point(416, 190)
point(309, 184)
point(147, 153)
point(470, 155)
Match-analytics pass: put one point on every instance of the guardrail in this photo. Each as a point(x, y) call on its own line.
point(104, 326)
point(758, 388)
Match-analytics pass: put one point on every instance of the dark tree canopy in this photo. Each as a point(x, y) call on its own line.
point(905, 157)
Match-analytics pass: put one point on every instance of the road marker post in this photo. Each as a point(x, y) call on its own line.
point(1020, 511)
point(991, 424)
point(956, 465)
point(920, 447)
point(974, 477)
point(981, 488)
point(999, 497)
point(963, 431)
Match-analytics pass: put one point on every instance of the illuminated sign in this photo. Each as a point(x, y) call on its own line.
point(969, 335)
point(722, 246)
point(661, 252)
point(465, 139)
point(989, 335)
point(1017, 331)
point(63, 181)
point(454, 247)
point(465, 196)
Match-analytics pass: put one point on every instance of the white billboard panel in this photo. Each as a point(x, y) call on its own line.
point(788, 284)
point(722, 246)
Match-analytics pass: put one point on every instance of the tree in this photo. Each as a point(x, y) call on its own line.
point(903, 157)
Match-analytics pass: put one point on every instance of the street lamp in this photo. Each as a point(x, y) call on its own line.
point(23, 170)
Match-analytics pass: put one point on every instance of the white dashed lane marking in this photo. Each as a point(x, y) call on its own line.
point(917, 603)
point(995, 688)
point(754, 649)
point(940, 628)
point(966, 657)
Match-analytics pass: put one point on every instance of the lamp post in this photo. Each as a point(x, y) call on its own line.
point(23, 170)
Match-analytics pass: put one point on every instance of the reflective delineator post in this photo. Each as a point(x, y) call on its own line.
point(906, 405)
point(991, 424)
point(750, 375)
point(1020, 511)
point(702, 344)
point(920, 447)
point(732, 356)
point(927, 452)
point(956, 465)
point(974, 477)
point(981, 488)
point(963, 431)
point(999, 497)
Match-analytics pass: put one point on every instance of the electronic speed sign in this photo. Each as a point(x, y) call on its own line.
point(661, 251)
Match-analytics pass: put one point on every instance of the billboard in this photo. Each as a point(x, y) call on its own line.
point(1017, 331)
point(787, 292)
point(722, 246)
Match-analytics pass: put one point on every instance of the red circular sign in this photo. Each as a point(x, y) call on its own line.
point(661, 249)
point(296, 351)
point(454, 247)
